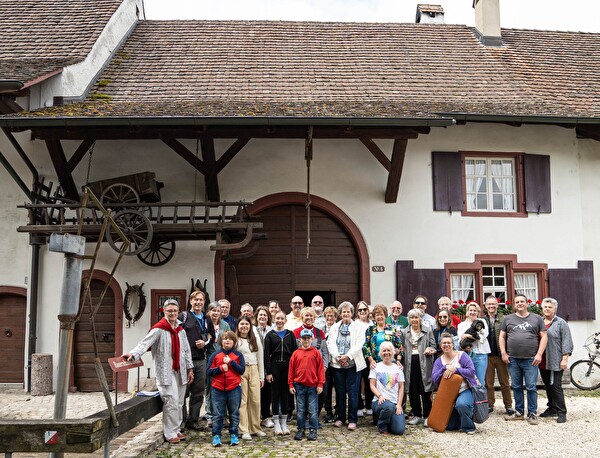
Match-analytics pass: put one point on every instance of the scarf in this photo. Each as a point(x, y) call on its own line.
point(165, 326)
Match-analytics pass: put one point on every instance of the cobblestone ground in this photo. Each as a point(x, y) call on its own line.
point(331, 443)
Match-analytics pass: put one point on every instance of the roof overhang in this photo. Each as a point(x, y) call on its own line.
point(9, 86)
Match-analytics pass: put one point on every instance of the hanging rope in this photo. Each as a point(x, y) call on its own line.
point(89, 167)
point(308, 155)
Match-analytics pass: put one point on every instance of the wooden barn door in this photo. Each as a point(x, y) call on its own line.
point(280, 267)
point(12, 340)
point(85, 377)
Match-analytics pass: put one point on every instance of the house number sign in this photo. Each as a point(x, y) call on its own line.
point(378, 269)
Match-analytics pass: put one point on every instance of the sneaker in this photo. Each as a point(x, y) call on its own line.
point(351, 426)
point(299, 435)
point(510, 411)
point(267, 423)
point(473, 431)
point(338, 423)
point(360, 413)
point(549, 412)
point(532, 419)
point(181, 437)
point(561, 418)
point(195, 426)
point(173, 440)
point(383, 432)
point(329, 418)
point(425, 423)
point(369, 412)
point(414, 421)
point(514, 416)
point(312, 435)
point(246, 437)
point(233, 439)
point(216, 441)
point(285, 429)
point(261, 433)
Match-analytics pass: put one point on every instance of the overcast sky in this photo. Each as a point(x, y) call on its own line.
point(576, 15)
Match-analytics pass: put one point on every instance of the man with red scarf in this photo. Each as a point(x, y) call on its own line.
point(172, 365)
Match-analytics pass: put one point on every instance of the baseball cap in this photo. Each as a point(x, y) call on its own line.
point(306, 333)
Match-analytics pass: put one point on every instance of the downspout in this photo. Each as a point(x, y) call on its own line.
point(35, 242)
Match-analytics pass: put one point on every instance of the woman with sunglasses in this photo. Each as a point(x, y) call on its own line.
point(365, 396)
point(345, 342)
point(331, 316)
point(443, 324)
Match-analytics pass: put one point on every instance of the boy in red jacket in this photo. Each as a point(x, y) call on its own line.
point(226, 368)
point(305, 379)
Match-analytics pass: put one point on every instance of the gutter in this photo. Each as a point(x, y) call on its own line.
point(33, 122)
point(520, 119)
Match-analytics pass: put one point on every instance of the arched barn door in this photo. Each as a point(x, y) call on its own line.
point(280, 268)
point(85, 377)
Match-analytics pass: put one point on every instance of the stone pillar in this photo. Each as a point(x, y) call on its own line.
point(41, 374)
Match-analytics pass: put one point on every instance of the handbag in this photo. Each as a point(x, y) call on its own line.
point(480, 404)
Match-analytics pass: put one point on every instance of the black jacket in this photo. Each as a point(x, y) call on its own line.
point(278, 350)
point(195, 331)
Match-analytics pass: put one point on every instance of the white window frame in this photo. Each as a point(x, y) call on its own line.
point(499, 183)
point(498, 291)
point(526, 283)
point(461, 284)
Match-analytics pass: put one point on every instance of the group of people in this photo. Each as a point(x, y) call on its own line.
point(260, 367)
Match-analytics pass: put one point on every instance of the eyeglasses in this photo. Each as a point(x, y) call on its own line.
point(420, 303)
point(297, 303)
point(171, 311)
point(447, 343)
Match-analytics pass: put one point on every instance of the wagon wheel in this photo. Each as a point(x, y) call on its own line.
point(159, 252)
point(119, 193)
point(136, 227)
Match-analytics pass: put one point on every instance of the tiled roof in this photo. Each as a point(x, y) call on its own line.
point(303, 69)
point(41, 36)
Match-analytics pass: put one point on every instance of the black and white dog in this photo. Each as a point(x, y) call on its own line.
point(466, 344)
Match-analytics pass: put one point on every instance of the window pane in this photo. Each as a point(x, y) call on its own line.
point(488, 281)
point(498, 202)
point(499, 271)
point(486, 270)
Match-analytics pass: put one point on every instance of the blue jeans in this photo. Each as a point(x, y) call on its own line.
point(480, 361)
point(223, 402)
point(345, 388)
point(462, 414)
point(522, 368)
point(387, 419)
point(307, 399)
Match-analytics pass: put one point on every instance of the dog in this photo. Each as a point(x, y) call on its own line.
point(467, 344)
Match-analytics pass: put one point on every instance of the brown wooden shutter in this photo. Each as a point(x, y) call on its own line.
point(447, 181)
point(410, 282)
point(574, 291)
point(537, 183)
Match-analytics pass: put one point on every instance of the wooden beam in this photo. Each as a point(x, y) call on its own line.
point(376, 151)
point(79, 153)
point(397, 164)
point(185, 154)
point(231, 152)
point(57, 155)
point(211, 176)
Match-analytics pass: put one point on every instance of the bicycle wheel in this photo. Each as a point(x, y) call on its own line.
point(585, 374)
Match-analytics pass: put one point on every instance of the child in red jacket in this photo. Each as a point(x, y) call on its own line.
point(226, 368)
point(305, 379)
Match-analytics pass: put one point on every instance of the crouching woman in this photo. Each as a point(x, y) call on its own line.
point(387, 384)
point(457, 362)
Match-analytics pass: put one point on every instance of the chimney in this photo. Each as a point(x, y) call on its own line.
point(429, 14)
point(487, 22)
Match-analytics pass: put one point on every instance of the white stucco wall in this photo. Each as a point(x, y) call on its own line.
point(346, 174)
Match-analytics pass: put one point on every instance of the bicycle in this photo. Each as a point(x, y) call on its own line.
point(585, 373)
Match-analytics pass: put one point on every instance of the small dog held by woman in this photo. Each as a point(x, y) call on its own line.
point(467, 343)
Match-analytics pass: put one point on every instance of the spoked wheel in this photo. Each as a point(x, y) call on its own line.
point(159, 252)
point(136, 227)
point(119, 193)
point(585, 374)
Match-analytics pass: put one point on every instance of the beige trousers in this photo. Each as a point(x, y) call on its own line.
point(250, 406)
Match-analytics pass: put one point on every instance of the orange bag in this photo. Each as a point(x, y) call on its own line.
point(444, 403)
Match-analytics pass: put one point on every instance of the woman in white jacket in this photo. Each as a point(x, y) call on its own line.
point(344, 342)
point(481, 346)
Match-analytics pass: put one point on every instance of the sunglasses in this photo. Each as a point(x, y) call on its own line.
point(362, 310)
point(317, 302)
point(421, 303)
point(297, 303)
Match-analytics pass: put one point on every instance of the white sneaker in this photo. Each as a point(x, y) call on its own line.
point(414, 421)
point(425, 423)
point(261, 433)
point(360, 413)
point(267, 423)
point(369, 412)
point(246, 437)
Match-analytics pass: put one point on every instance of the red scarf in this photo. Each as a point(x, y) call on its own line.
point(166, 326)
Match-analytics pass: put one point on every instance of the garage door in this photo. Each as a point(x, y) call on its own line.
point(280, 267)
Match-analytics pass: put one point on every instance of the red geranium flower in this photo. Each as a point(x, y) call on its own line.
point(507, 302)
point(461, 302)
point(455, 305)
point(538, 302)
point(529, 301)
point(161, 310)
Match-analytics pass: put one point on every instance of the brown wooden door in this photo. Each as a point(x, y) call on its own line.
point(85, 376)
point(12, 339)
point(280, 266)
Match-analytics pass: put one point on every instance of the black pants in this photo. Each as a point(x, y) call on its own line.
point(195, 393)
point(553, 385)
point(364, 377)
point(420, 400)
point(329, 390)
point(280, 391)
point(265, 401)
